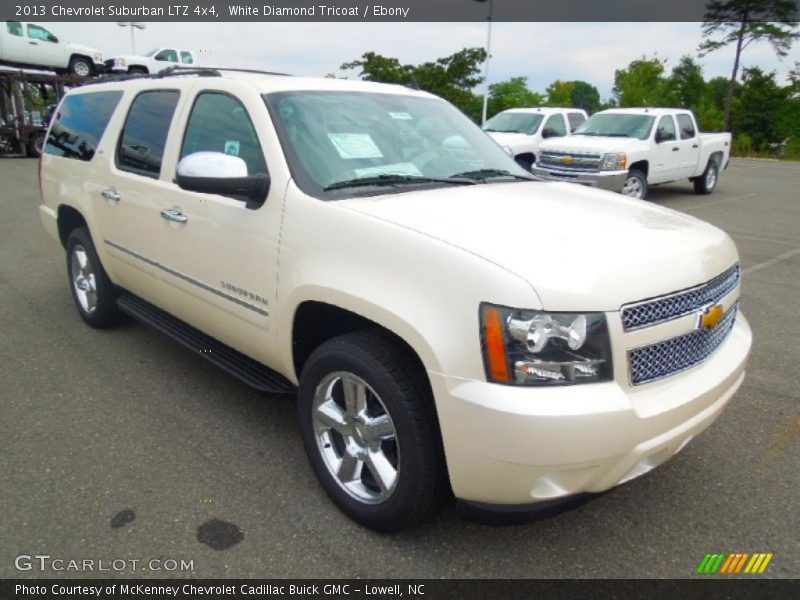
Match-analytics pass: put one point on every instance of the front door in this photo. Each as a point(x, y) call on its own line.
point(45, 48)
point(667, 152)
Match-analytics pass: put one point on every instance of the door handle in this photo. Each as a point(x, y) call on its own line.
point(695, 145)
point(675, 149)
point(34, 43)
point(111, 194)
point(174, 214)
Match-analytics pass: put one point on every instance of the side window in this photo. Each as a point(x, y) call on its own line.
point(167, 55)
point(14, 28)
point(141, 144)
point(666, 130)
point(40, 33)
point(554, 127)
point(79, 124)
point(220, 123)
point(186, 58)
point(575, 119)
point(686, 126)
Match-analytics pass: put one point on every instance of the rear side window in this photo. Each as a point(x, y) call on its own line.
point(186, 58)
point(686, 126)
point(555, 125)
point(14, 28)
point(141, 144)
point(220, 123)
point(79, 124)
point(575, 119)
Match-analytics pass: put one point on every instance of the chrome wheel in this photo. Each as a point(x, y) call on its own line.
point(356, 437)
point(711, 177)
point(81, 68)
point(633, 187)
point(83, 279)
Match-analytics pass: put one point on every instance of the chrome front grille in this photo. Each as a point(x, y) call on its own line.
point(671, 356)
point(570, 161)
point(665, 308)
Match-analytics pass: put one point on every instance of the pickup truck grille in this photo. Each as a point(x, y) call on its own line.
point(570, 161)
point(671, 356)
point(665, 308)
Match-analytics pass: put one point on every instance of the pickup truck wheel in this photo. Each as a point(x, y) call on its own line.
point(92, 290)
point(369, 429)
point(80, 66)
point(706, 183)
point(635, 185)
point(35, 145)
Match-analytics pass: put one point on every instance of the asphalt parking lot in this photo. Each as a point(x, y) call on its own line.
point(120, 444)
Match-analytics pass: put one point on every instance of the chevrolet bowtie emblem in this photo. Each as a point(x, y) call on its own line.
point(710, 317)
point(566, 159)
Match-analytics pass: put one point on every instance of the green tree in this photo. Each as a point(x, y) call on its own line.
point(574, 94)
point(559, 93)
point(641, 83)
point(452, 77)
point(742, 22)
point(686, 87)
point(512, 93)
point(758, 108)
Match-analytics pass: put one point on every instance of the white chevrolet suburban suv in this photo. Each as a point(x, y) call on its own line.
point(447, 324)
point(522, 130)
point(627, 150)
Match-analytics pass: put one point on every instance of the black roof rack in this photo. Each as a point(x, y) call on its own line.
point(179, 71)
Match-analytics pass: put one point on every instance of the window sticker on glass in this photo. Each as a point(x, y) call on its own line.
point(355, 145)
point(394, 169)
point(232, 147)
point(401, 115)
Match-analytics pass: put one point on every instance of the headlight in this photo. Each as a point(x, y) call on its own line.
point(615, 161)
point(120, 62)
point(98, 57)
point(528, 347)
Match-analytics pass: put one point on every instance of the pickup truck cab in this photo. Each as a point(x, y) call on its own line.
point(447, 324)
point(25, 44)
point(522, 130)
point(154, 61)
point(627, 150)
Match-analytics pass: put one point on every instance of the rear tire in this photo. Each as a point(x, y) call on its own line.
point(707, 182)
point(35, 145)
point(371, 432)
point(94, 295)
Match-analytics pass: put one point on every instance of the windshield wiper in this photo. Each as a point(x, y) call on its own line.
point(395, 180)
point(484, 174)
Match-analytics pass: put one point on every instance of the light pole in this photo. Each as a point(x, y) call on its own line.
point(488, 56)
point(133, 25)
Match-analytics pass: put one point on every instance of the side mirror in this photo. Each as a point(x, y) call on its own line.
point(549, 132)
point(52, 38)
point(662, 137)
point(223, 174)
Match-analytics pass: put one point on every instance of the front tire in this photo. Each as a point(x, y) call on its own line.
point(35, 145)
point(635, 185)
point(370, 431)
point(707, 182)
point(92, 290)
point(81, 66)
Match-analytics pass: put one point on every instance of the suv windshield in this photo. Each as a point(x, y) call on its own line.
point(514, 123)
point(617, 125)
point(341, 143)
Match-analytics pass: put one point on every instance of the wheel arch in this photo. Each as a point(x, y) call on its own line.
point(68, 219)
point(640, 165)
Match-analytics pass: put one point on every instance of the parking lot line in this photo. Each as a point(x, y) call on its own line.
point(772, 261)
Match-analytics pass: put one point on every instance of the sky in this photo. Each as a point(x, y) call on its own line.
point(542, 52)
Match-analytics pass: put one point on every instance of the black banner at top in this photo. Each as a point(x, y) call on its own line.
point(356, 10)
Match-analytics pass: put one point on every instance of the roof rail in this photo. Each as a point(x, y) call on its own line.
point(177, 71)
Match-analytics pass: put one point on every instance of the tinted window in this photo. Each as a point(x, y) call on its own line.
point(169, 55)
point(14, 28)
point(666, 129)
point(219, 123)
point(186, 58)
point(514, 122)
point(79, 124)
point(40, 33)
point(575, 119)
point(686, 126)
point(554, 126)
point(141, 145)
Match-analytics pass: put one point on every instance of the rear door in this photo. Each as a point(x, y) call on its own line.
point(689, 143)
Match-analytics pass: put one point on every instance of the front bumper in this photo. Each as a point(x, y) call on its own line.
point(605, 180)
point(516, 445)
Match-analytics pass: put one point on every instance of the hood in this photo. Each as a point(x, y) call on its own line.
point(94, 53)
point(589, 143)
point(510, 139)
point(580, 249)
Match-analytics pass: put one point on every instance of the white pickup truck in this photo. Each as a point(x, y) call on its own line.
point(627, 150)
point(522, 129)
point(154, 61)
point(31, 45)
